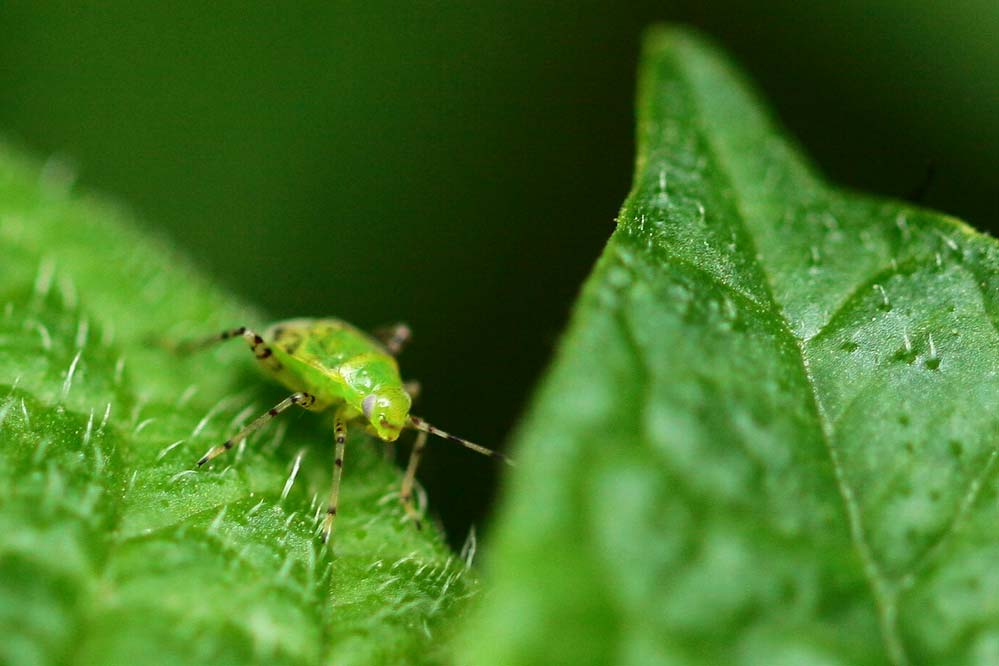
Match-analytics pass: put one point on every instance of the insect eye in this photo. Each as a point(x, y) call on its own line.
point(368, 405)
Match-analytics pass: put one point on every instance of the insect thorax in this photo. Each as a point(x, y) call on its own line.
point(335, 361)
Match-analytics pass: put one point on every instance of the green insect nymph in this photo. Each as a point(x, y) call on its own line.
point(330, 364)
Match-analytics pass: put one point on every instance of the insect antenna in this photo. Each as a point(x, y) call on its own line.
point(420, 424)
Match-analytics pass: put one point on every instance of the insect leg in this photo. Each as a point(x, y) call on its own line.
point(191, 346)
point(412, 387)
point(303, 399)
point(259, 348)
point(394, 337)
point(340, 437)
point(406, 495)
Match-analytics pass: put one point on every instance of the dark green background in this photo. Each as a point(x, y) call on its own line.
point(459, 166)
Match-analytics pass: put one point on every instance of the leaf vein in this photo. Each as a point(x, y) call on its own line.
point(973, 489)
point(883, 593)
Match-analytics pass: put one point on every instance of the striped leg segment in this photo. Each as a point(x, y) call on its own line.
point(191, 346)
point(304, 399)
point(264, 354)
point(340, 438)
point(406, 495)
point(394, 337)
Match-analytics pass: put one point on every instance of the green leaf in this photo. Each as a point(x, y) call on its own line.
point(769, 436)
point(112, 551)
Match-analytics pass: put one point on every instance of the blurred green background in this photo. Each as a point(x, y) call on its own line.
point(459, 165)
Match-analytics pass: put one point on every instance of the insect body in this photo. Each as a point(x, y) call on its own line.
point(330, 364)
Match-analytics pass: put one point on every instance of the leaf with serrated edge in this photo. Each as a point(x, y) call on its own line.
point(769, 436)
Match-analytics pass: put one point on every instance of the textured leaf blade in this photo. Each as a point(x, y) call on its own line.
point(769, 435)
point(112, 551)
